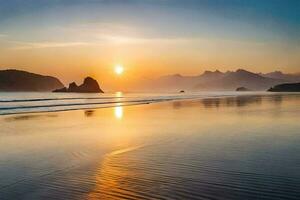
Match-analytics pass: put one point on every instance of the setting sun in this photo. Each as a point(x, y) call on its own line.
point(119, 69)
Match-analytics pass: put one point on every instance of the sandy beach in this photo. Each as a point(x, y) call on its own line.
point(243, 147)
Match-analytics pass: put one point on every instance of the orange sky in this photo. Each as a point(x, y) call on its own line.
point(146, 59)
point(73, 40)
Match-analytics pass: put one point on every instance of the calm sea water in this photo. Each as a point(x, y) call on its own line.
point(198, 146)
point(18, 102)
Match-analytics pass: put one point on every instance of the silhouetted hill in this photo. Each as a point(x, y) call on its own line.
point(288, 87)
point(89, 85)
point(232, 80)
point(213, 80)
point(16, 80)
point(173, 83)
point(283, 76)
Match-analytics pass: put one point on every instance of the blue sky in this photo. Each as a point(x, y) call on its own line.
point(279, 17)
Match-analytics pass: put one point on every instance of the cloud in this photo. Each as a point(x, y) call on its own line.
point(2, 35)
point(40, 45)
point(103, 40)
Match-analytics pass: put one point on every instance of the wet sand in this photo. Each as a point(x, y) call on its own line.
point(243, 147)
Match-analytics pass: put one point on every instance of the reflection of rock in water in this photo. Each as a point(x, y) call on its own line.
point(89, 113)
point(28, 117)
point(241, 101)
point(177, 105)
point(277, 99)
point(238, 101)
point(246, 100)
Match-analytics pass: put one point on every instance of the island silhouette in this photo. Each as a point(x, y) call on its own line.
point(288, 87)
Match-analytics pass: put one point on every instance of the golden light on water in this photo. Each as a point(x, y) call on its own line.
point(119, 112)
point(119, 69)
point(119, 94)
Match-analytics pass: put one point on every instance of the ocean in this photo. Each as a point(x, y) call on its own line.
point(210, 145)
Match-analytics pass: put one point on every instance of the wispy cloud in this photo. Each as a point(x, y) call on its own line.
point(104, 40)
point(120, 39)
point(106, 34)
point(41, 45)
point(2, 35)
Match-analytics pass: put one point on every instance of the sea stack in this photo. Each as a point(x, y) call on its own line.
point(89, 85)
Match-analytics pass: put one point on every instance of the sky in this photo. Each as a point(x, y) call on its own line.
point(71, 39)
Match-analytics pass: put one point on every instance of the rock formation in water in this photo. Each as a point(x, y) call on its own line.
point(89, 85)
point(242, 89)
point(288, 87)
point(17, 81)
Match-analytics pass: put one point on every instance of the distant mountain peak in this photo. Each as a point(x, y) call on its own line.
point(215, 73)
point(177, 75)
point(171, 76)
point(212, 72)
point(243, 71)
point(278, 73)
point(207, 72)
point(283, 76)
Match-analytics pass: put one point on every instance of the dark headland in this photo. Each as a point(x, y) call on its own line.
point(12, 80)
point(89, 85)
point(288, 87)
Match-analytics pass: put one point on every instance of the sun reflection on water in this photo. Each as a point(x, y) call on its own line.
point(118, 112)
point(119, 94)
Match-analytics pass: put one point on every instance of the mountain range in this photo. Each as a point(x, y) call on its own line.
point(282, 76)
point(220, 81)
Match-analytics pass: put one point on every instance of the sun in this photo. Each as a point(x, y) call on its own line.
point(119, 69)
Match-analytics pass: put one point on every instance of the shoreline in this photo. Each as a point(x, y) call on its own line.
point(113, 104)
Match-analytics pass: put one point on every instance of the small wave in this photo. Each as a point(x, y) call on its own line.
point(58, 99)
point(71, 104)
point(66, 106)
point(38, 105)
point(121, 151)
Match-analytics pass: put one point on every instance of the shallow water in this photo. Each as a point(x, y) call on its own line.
point(237, 147)
point(36, 102)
